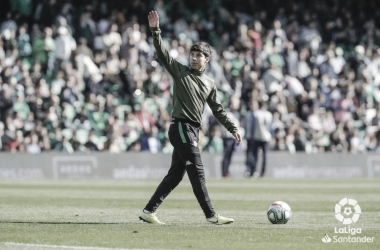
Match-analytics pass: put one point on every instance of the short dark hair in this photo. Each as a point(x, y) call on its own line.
point(202, 47)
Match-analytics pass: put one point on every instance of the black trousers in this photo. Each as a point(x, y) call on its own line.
point(253, 147)
point(229, 145)
point(186, 157)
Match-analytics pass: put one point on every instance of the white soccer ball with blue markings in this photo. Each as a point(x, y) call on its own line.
point(279, 212)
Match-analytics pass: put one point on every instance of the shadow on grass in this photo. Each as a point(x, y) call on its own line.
point(66, 223)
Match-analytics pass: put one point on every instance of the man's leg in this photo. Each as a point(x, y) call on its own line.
point(196, 173)
point(250, 158)
point(191, 158)
point(255, 152)
point(264, 164)
point(188, 151)
point(170, 181)
point(229, 145)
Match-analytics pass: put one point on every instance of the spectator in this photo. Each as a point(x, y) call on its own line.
point(43, 47)
point(228, 140)
point(112, 39)
point(258, 127)
point(64, 44)
point(8, 25)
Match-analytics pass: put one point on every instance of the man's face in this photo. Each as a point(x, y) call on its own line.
point(198, 60)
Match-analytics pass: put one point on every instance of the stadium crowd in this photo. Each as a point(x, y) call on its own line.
point(83, 76)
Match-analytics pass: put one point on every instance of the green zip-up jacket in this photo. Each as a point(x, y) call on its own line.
point(191, 90)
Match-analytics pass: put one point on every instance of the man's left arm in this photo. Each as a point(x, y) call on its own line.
point(220, 114)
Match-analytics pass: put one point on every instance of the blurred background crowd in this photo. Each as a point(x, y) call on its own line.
point(83, 75)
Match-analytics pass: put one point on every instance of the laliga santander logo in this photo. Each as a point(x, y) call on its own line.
point(347, 211)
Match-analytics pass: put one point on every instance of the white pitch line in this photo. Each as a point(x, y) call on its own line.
point(70, 247)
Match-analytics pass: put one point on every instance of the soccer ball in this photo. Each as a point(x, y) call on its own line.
point(279, 212)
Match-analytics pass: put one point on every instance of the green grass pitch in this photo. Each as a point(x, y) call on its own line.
point(103, 214)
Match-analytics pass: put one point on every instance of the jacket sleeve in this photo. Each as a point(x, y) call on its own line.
point(219, 112)
point(171, 65)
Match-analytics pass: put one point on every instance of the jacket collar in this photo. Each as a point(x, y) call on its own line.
point(196, 72)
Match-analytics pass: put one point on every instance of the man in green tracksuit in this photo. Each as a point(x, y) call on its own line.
point(192, 89)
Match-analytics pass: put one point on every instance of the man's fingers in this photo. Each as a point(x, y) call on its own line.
point(238, 138)
point(153, 15)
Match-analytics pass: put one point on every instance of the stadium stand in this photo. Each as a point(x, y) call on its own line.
point(83, 76)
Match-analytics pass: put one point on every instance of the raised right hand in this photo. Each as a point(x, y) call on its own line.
point(153, 19)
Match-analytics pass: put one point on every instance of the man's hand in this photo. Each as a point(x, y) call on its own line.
point(238, 138)
point(153, 19)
